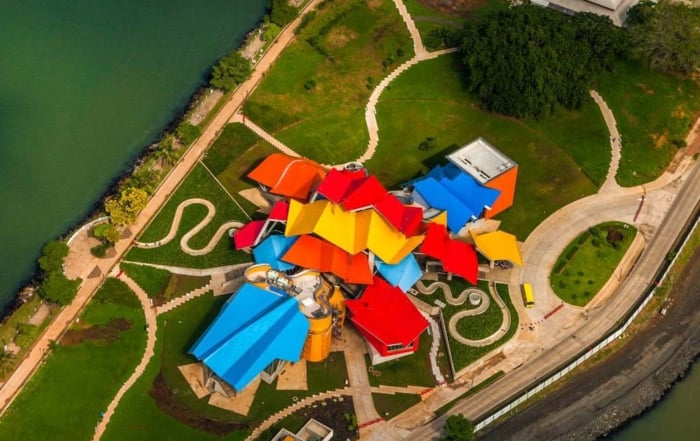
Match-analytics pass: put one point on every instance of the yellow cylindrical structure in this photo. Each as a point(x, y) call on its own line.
point(318, 341)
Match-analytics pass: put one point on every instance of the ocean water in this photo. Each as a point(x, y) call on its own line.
point(85, 85)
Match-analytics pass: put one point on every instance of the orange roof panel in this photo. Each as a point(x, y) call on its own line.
point(288, 176)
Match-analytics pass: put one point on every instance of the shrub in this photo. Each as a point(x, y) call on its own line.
point(310, 85)
point(57, 288)
point(187, 132)
point(595, 243)
point(230, 71)
point(52, 256)
point(107, 233)
point(100, 250)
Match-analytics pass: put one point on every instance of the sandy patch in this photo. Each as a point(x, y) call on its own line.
point(293, 377)
point(194, 374)
point(40, 315)
point(239, 404)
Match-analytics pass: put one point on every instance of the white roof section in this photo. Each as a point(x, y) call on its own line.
point(481, 160)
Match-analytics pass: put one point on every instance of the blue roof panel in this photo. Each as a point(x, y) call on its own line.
point(404, 274)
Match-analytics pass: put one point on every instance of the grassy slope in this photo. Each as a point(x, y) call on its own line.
point(198, 184)
point(430, 100)
point(327, 124)
point(89, 373)
point(652, 110)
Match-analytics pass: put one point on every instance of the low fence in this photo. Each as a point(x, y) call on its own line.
point(87, 225)
point(530, 392)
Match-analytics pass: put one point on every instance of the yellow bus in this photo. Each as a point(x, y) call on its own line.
point(528, 296)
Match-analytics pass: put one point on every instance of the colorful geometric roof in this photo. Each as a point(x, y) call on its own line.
point(247, 235)
point(386, 313)
point(351, 231)
point(288, 176)
point(279, 211)
point(457, 257)
point(272, 249)
point(254, 328)
point(448, 188)
point(498, 245)
point(404, 274)
point(355, 190)
point(314, 253)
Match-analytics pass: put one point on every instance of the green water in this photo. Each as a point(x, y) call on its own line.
point(674, 418)
point(85, 85)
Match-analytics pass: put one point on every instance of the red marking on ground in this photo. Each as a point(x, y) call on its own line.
point(553, 311)
point(121, 271)
point(369, 423)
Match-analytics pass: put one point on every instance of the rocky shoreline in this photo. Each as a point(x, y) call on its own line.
point(642, 398)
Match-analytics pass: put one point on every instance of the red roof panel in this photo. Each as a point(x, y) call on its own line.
point(403, 218)
point(279, 211)
point(386, 312)
point(364, 193)
point(245, 236)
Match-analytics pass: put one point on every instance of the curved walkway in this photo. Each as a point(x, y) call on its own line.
point(184, 241)
point(483, 306)
point(151, 327)
point(615, 143)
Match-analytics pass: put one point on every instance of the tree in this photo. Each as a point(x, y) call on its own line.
point(124, 209)
point(531, 61)
point(666, 35)
point(107, 233)
point(165, 152)
point(458, 428)
point(58, 289)
point(281, 12)
point(187, 133)
point(53, 255)
point(230, 71)
point(271, 32)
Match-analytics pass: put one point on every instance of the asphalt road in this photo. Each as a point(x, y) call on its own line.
point(598, 323)
point(598, 399)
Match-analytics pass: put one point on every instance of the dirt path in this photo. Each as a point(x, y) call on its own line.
point(151, 327)
point(615, 143)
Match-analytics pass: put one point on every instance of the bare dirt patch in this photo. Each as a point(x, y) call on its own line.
point(660, 140)
point(645, 89)
point(337, 413)
point(339, 36)
point(168, 403)
point(454, 7)
point(103, 333)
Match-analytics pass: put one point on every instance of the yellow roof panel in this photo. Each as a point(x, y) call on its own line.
point(498, 245)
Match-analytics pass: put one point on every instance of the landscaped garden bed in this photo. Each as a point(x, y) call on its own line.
point(589, 261)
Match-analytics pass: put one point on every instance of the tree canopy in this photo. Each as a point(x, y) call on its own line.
point(58, 289)
point(458, 428)
point(666, 35)
point(281, 12)
point(108, 233)
point(230, 71)
point(124, 209)
point(530, 61)
point(52, 256)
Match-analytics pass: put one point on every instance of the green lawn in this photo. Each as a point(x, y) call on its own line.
point(89, 372)
point(388, 406)
point(429, 100)
point(654, 113)
point(427, 19)
point(589, 261)
point(411, 370)
point(462, 355)
point(152, 280)
point(198, 184)
point(343, 50)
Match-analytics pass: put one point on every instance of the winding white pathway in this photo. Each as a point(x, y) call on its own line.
point(184, 241)
point(151, 327)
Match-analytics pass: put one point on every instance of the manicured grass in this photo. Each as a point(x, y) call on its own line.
point(654, 112)
point(589, 261)
point(388, 406)
point(89, 372)
point(152, 280)
point(234, 154)
point(463, 356)
point(233, 141)
point(198, 184)
point(411, 370)
point(344, 45)
point(430, 100)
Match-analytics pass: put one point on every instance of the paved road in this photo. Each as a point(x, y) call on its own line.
point(595, 323)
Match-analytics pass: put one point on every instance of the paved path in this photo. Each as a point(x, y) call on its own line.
point(357, 375)
point(615, 143)
point(184, 241)
point(190, 158)
point(151, 327)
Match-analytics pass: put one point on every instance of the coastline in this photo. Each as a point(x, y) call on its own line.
point(27, 287)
